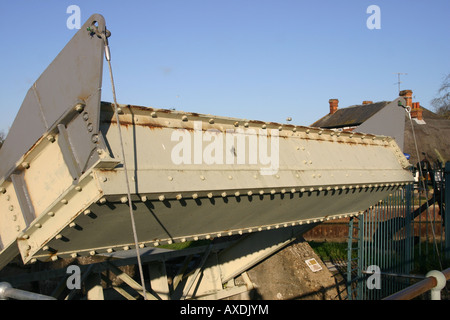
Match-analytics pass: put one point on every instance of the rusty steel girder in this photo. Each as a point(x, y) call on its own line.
point(191, 176)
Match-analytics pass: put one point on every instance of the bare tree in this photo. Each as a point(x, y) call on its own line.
point(441, 103)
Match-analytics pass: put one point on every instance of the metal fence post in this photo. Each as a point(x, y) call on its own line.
point(446, 213)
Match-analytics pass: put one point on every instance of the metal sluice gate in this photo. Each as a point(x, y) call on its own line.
point(191, 176)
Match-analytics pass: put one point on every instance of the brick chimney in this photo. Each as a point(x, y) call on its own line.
point(333, 105)
point(367, 102)
point(416, 111)
point(407, 94)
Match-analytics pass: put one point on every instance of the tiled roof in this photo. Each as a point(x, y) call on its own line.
point(350, 116)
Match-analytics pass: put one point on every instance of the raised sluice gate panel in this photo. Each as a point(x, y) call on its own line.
point(200, 177)
point(63, 191)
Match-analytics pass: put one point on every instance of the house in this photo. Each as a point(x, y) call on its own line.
point(431, 132)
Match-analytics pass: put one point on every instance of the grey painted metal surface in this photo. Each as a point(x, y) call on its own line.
point(192, 176)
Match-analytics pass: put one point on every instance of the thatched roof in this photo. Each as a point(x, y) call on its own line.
point(433, 138)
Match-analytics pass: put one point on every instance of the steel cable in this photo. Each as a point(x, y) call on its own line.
point(130, 204)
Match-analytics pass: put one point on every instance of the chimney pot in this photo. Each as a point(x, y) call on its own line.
point(407, 94)
point(333, 105)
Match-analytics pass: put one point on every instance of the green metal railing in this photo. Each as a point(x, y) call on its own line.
point(400, 235)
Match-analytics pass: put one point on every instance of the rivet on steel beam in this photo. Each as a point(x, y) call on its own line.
point(218, 235)
point(283, 191)
point(64, 201)
point(102, 200)
point(184, 118)
point(126, 248)
point(92, 252)
point(308, 131)
point(294, 129)
point(210, 195)
point(26, 165)
point(169, 242)
point(302, 190)
point(280, 128)
point(79, 107)
point(194, 196)
point(26, 236)
point(272, 191)
point(46, 248)
point(54, 258)
point(311, 189)
point(178, 197)
point(51, 138)
point(264, 126)
point(109, 250)
point(11, 208)
point(170, 178)
point(240, 232)
point(74, 255)
point(17, 228)
point(72, 225)
point(153, 114)
point(224, 194)
point(78, 188)
point(261, 192)
point(250, 193)
point(236, 124)
point(144, 198)
point(230, 177)
point(246, 124)
point(230, 233)
point(51, 213)
point(320, 189)
point(328, 188)
point(183, 240)
point(207, 236)
point(320, 132)
point(293, 190)
point(237, 194)
point(38, 225)
point(250, 230)
point(58, 236)
point(161, 198)
point(2, 190)
point(124, 199)
point(202, 177)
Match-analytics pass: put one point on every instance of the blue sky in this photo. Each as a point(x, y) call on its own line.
point(263, 60)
